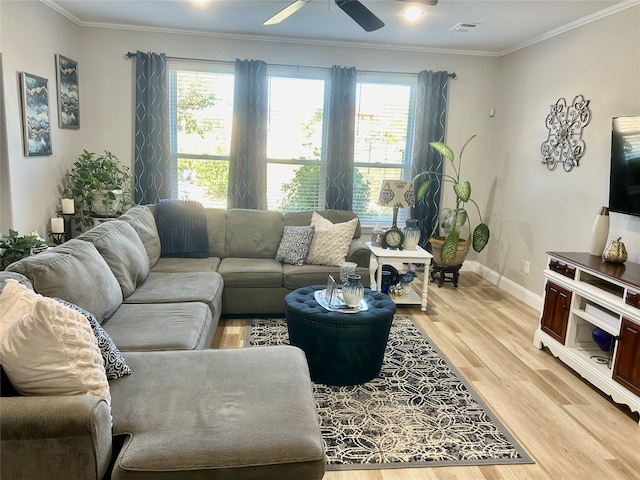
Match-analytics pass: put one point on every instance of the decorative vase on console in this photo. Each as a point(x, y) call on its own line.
point(600, 232)
point(411, 234)
point(353, 291)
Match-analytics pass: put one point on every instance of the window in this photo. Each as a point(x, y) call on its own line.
point(295, 139)
point(201, 120)
point(384, 122)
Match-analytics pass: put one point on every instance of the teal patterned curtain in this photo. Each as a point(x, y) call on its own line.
point(430, 118)
point(340, 138)
point(152, 156)
point(248, 153)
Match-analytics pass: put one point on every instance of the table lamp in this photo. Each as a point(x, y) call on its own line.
point(396, 194)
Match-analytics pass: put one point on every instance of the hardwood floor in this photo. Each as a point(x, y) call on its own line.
point(569, 428)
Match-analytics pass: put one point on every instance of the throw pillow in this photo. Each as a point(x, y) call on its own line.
point(295, 243)
point(16, 300)
point(331, 242)
point(52, 351)
point(114, 363)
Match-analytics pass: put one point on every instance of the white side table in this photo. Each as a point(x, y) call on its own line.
point(419, 255)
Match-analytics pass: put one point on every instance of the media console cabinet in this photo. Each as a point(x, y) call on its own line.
point(584, 293)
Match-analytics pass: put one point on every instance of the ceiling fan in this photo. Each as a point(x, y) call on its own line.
point(354, 8)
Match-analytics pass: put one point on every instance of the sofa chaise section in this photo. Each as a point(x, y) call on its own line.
point(235, 414)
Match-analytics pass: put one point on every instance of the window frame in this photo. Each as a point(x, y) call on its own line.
point(303, 73)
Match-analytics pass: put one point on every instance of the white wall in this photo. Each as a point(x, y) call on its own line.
point(30, 36)
point(109, 77)
point(530, 209)
point(534, 210)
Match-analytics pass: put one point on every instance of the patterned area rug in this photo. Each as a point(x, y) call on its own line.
point(418, 412)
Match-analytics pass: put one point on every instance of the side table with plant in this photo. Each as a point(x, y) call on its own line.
point(100, 186)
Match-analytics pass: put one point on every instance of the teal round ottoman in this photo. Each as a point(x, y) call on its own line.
point(341, 348)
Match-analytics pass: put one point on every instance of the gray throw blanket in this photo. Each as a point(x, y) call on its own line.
point(182, 228)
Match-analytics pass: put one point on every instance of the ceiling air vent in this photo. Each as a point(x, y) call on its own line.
point(464, 27)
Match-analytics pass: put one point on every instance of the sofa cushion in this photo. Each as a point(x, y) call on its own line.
point(122, 249)
point(253, 233)
point(143, 222)
point(179, 287)
point(235, 414)
point(161, 326)
point(51, 350)
point(331, 242)
point(18, 277)
point(251, 272)
point(75, 272)
point(295, 243)
point(115, 365)
point(177, 265)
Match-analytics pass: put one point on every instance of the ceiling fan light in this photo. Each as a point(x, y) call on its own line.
point(413, 13)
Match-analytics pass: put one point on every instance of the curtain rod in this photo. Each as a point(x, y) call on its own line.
point(228, 62)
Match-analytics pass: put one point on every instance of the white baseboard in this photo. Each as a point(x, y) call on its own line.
point(521, 293)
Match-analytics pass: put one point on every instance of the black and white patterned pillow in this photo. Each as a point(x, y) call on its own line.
point(114, 363)
point(295, 243)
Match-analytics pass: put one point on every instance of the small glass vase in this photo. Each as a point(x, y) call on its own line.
point(411, 234)
point(353, 291)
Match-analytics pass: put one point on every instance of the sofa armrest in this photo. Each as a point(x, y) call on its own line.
point(358, 253)
point(55, 437)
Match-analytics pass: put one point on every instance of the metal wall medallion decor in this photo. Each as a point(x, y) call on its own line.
point(565, 123)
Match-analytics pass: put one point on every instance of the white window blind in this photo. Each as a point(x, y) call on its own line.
point(295, 142)
point(384, 121)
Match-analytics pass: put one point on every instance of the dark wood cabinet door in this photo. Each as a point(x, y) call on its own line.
point(627, 366)
point(555, 313)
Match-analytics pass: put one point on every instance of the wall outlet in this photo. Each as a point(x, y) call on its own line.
point(525, 266)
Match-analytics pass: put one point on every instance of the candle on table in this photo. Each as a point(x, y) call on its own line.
point(67, 206)
point(57, 225)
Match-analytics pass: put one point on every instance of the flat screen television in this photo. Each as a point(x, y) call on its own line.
point(624, 183)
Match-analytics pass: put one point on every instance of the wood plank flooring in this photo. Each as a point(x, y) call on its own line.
point(570, 429)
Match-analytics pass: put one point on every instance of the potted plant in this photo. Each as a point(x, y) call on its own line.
point(14, 246)
point(453, 248)
point(100, 185)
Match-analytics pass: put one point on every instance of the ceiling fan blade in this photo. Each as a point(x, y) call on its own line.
point(360, 14)
point(286, 12)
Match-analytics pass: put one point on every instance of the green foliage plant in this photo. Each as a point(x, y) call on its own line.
point(456, 217)
point(14, 246)
point(96, 173)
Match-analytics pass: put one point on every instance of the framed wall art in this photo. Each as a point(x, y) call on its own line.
point(35, 115)
point(68, 93)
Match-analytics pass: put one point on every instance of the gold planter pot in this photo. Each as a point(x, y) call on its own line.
point(458, 258)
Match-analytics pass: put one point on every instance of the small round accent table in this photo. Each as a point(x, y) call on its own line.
point(341, 348)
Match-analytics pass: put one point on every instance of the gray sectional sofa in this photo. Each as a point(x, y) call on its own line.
point(186, 411)
point(242, 249)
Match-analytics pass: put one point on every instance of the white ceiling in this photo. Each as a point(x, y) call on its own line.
point(504, 25)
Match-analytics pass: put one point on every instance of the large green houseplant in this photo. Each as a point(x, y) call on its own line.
point(14, 246)
point(100, 186)
point(455, 218)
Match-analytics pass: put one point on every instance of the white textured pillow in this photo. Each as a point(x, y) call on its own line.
point(331, 242)
point(15, 301)
point(52, 351)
